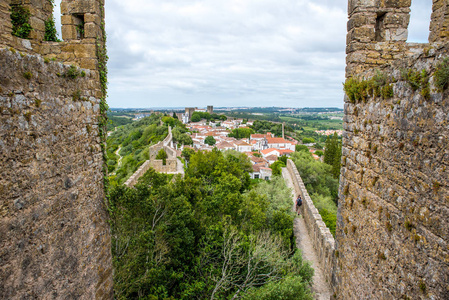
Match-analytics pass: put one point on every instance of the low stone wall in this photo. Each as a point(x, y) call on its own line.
point(322, 239)
point(142, 169)
point(171, 163)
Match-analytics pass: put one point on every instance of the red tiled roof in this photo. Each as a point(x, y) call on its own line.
point(285, 151)
point(266, 151)
point(258, 136)
point(256, 168)
point(241, 143)
point(223, 145)
point(278, 141)
point(271, 157)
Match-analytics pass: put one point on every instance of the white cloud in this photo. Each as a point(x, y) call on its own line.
point(226, 53)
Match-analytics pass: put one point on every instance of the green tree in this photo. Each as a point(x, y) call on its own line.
point(195, 117)
point(329, 153)
point(187, 152)
point(210, 140)
point(241, 133)
point(332, 154)
point(162, 155)
point(299, 148)
point(205, 236)
point(318, 146)
point(276, 167)
point(308, 140)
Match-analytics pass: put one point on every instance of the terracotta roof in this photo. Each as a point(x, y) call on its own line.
point(285, 151)
point(241, 143)
point(258, 136)
point(264, 168)
point(271, 157)
point(223, 145)
point(278, 141)
point(266, 151)
point(257, 159)
point(256, 168)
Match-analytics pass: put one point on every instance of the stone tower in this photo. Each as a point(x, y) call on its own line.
point(393, 227)
point(54, 235)
point(210, 109)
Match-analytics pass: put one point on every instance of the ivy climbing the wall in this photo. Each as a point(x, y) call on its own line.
point(50, 31)
point(20, 19)
point(103, 118)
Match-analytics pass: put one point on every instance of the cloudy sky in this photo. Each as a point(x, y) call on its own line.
point(176, 53)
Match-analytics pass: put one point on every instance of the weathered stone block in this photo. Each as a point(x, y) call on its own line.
point(88, 63)
point(67, 20)
point(68, 32)
point(84, 50)
point(91, 30)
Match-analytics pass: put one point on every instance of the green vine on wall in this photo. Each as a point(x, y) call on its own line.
point(50, 31)
point(20, 19)
point(359, 90)
point(102, 121)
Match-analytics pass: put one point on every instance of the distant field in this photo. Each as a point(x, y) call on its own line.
point(310, 124)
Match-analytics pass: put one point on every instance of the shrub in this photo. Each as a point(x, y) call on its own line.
point(50, 31)
point(27, 75)
point(20, 19)
point(290, 288)
point(441, 75)
point(73, 72)
point(162, 155)
point(299, 148)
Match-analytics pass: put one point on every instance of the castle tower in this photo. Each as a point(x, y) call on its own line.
point(54, 233)
point(392, 239)
point(210, 109)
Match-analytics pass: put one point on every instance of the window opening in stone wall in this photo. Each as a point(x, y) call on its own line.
point(57, 16)
point(418, 29)
point(78, 20)
point(380, 27)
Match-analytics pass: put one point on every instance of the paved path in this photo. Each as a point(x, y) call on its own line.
point(303, 241)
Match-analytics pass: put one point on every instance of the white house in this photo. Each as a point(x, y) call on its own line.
point(242, 146)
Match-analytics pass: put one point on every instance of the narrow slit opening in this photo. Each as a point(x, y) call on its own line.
point(380, 27)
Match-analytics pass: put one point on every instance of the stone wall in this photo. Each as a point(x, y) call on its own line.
point(82, 31)
point(392, 226)
point(171, 163)
point(139, 173)
point(54, 235)
point(322, 238)
point(53, 226)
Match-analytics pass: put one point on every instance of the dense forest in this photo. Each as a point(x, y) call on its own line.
point(213, 234)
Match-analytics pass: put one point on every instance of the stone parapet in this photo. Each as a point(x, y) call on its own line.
point(139, 173)
point(322, 239)
point(171, 163)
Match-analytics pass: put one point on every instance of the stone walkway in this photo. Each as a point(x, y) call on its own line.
point(303, 241)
